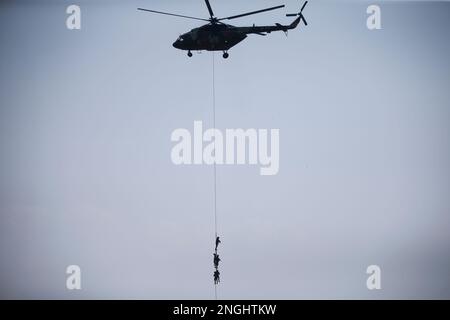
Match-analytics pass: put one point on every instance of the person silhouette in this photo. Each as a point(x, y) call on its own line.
point(216, 260)
point(217, 242)
point(216, 277)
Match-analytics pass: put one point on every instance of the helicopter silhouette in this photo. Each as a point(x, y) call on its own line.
point(218, 36)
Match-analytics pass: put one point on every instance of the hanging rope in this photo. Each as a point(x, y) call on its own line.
point(215, 167)
point(214, 126)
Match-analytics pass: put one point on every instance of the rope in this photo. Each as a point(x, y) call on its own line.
point(214, 126)
point(215, 167)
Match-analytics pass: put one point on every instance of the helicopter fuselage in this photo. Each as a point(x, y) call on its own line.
point(210, 37)
point(222, 37)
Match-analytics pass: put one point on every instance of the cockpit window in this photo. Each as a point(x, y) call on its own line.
point(180, 39)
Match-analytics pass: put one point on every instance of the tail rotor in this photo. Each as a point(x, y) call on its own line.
point(300, 14)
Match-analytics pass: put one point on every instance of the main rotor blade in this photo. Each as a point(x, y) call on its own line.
point(172, 14)
point(253, 12)
point(211, 13)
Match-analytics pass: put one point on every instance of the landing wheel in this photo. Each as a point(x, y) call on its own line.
point(189, 54)
point(225, 55)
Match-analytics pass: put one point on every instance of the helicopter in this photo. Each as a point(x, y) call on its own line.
point(218, 36)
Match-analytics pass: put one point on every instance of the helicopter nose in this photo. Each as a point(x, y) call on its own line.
point(176, 44)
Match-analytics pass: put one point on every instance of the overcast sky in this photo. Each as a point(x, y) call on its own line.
point(86, 176)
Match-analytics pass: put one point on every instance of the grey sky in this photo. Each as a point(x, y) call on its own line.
point(86, 176)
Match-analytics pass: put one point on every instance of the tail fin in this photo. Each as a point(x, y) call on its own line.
point(294, 24)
